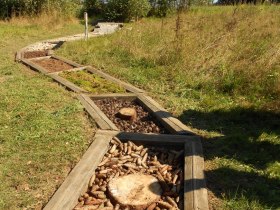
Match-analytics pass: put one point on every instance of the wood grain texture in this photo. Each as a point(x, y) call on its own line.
point(34, 66)
point(76, 65)
point(195, 192)
point(128, 96)
point(39, 58)
point(100, 118)
point(158, 139)
point(76, 69)
point(173, 124)
point(18, 56)
point(66, 197)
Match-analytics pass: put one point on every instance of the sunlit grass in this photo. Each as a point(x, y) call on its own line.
point(43, 129)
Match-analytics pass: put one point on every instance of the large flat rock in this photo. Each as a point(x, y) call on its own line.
point(136, 191)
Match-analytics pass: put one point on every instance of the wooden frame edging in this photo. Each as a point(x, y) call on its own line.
point(34, 66)
point(173, 125)
point(72, 63)
point(39, 58)
point(99, 117)
point(195, 193)
point(164, 116)
point(77, 181)
point(69, 85)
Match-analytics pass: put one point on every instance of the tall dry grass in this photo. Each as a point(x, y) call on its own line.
point(231, 51)
point(45, 20)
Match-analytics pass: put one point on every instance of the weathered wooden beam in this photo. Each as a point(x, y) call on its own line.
point(72, 63)
point(195, 192)
point(76, 183)
point(69, 85)
point(39, 58)
point(100, 118)
point(164, 116)
point(76, 69)
point(34, 66)
point(126, 96)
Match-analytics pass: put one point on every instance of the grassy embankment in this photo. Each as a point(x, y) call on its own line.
point(221, 76)
point(43, 130)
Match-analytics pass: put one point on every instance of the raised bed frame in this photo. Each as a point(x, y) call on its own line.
point(29, 62)
point(195, 193)
point(169, 122)
point(76, 67)
point(55, 75)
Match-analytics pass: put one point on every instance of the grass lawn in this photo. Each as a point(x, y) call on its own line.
point(43, 129)
point(219, 72)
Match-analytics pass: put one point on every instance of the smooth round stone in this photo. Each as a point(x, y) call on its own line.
point(136, 191)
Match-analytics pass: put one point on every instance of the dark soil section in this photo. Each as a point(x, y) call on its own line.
point(35, 54)
point(145, 122)
point(53, 65)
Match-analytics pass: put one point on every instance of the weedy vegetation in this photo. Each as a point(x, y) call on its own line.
point(91, 82)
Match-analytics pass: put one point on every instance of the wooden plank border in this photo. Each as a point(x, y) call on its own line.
point(77, 67)
point(69, 85)
point(77, 181)
point(98, 116)
point(125, 96)
point(72, 63)
point(74, 69)
point(166, 139)
point(18, 56)
point(195, 193)
point(34, 66)
point(164, 116)
point(40, 58)
point(173, 125)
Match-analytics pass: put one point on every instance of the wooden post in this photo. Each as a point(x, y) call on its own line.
point(86, 25)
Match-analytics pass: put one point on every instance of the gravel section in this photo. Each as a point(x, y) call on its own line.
point(144, 123)
point(53, 65)
point(122, 159)
point(101, 29)
point(41, 46)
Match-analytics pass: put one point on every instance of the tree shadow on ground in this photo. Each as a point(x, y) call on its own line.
point(249, 137)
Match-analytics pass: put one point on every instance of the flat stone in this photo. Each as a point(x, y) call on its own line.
point(128, 114)
point(136, 191)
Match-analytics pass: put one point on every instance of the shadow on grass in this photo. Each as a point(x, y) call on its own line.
point(250, 137)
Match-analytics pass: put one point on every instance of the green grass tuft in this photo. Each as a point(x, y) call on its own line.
point(91, 82)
